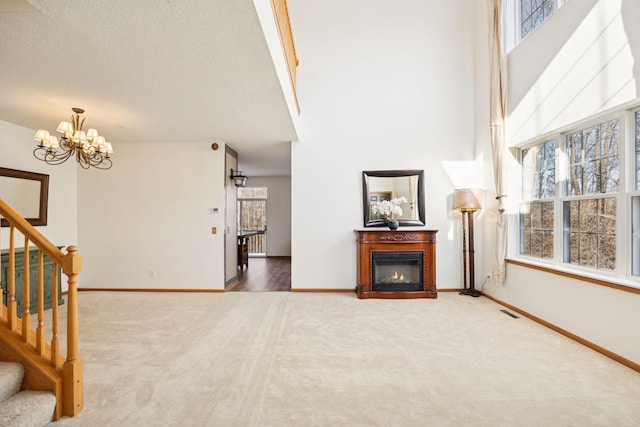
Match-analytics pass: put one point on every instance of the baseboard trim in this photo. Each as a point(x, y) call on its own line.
point(623, 360)
point(148, 290)
point(354, 291)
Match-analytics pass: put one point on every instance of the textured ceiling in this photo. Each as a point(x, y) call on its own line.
point(148, 71)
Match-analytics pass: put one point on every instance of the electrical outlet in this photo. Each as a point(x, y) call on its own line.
point(152, 273)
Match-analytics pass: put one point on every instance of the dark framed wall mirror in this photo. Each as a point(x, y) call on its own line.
point(27, 193)
point(378, 186)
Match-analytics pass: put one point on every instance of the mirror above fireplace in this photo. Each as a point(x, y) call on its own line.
point(378, 186)
point(27, 193)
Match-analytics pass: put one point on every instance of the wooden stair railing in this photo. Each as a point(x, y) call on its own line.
point(45, 366)
point(281, 14)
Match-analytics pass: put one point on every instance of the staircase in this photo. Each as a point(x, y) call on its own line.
point(26, 408)
point(43, 370)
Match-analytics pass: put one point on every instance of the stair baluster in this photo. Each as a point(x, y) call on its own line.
point(40, 330)
point(13, 305)
point(26, 289)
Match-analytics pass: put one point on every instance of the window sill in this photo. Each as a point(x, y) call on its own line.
point(609, 281)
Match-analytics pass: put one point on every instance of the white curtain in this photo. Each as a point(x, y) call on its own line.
point(497, 115)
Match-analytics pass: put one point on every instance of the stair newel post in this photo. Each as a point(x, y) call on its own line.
point(26, 315)
point(72, 368)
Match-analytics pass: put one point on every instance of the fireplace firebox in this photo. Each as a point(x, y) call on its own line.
point(396, 264)
point(397, 271)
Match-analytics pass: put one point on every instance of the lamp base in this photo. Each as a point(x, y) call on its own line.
point(471, 292)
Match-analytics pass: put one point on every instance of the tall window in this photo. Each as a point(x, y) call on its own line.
point(533, 13)
point(593, 174)
point(524, 16)
point(538, 189)
point(589, 210)
point(635, 201)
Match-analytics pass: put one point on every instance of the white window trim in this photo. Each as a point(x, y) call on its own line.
point(513, 24)
point(626, 189)
point(630, 176)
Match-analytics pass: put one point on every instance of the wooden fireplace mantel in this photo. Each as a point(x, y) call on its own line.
point(402, 240)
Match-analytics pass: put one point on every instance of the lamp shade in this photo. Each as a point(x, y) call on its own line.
point(53, 142)
point(65, 128)
point(42, 136)
point(79, 136)
point(469, 199)
point(98, 141)
point(91, 134)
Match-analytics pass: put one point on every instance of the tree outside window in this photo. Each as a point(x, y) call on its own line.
point(533, 13)
point(536, 213)
point(593, 170)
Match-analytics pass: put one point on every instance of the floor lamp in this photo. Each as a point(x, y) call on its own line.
point(468, 201)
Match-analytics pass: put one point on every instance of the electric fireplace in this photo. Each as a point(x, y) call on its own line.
point(397, 271)
point(396, 264)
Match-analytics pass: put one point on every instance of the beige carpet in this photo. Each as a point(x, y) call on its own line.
point(299, 359)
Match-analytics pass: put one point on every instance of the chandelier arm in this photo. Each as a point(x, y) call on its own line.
point(93, 158)
point(66, 144)
point(104, 164)
point(100, 161)
point(51, 157)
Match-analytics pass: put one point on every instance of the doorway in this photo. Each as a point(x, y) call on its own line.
point(252, 219)
point(262, 271)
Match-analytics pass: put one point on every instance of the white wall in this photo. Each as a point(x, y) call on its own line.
point(582, 61)
point(16, 148)
point(278, 212)
point(151, 211)
point(381, 86)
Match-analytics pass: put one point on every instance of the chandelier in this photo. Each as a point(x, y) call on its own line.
point(89, 148)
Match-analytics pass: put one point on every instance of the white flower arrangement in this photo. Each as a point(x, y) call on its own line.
point(389, 208)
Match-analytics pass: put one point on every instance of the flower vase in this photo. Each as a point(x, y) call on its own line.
point(393, 224)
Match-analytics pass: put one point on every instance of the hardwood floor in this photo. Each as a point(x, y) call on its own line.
point(265, 275)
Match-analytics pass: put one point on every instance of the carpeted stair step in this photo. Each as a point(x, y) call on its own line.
point(28, 408)
point(25, 408)
point(11, 375)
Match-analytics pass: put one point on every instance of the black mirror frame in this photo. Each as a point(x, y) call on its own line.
point(366, 203)
point(44, 194)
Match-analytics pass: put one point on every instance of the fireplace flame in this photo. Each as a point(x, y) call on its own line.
point(397, 276)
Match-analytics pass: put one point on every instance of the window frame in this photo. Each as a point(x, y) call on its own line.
point(533, 200)
point(622, 274)
point(633, 180)
point(513, 21)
